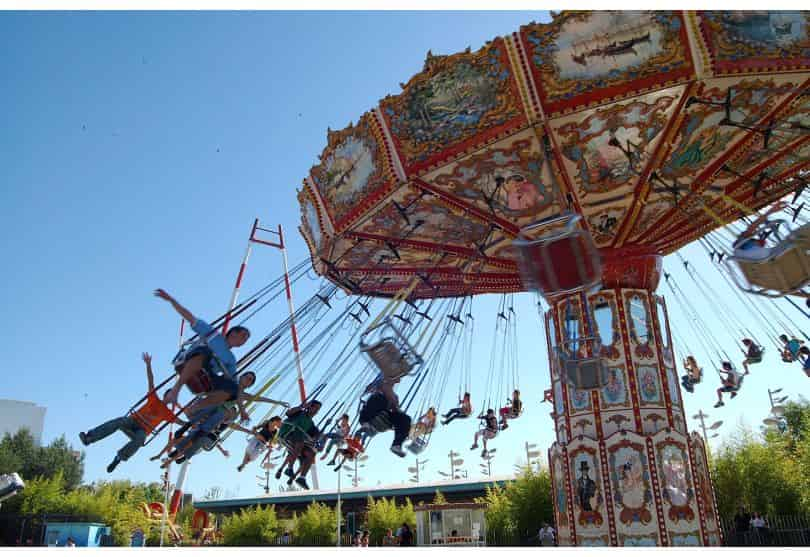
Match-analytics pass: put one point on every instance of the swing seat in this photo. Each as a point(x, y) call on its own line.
point(589, 373)
point(785, 270)
point(389, 350)
point(417, 445)
point(378, 424)
point(561, 259)
point(10, 485)
point(201, 383)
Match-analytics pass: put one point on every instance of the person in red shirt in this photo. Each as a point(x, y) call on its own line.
point(136, 425)
point(353, 448)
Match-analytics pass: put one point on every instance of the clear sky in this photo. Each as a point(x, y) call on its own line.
point(136, 150)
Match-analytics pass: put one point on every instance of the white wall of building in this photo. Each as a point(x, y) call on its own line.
point(16, 415)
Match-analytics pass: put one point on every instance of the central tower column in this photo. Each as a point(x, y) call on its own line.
point(625, 471)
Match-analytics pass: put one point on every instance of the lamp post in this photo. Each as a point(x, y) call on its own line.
point(530, 454)
point(701, 416)
point(415, 469)
point(775, 419)
point(453, 463)
point(486, 466)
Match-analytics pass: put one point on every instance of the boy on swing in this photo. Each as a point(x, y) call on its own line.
point(464, 410)
point(694, 373)
point(354, 446)
point(224, 386)
point(263, 436)
point(753, 353)
point(489, 431)
point(790, 348)
point(136, 425)
point(730, 384)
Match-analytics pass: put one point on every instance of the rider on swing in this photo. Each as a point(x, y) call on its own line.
point(513, 410)
point(730, 384)
point(694, 374)
point(489, 431)
point(464, 410)
point(753, 353)
point(224, 386)
point(137, 425)
point(790, 350)
point(384, 401)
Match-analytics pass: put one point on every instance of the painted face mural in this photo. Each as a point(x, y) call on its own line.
point(648, 383)
point(614, 392)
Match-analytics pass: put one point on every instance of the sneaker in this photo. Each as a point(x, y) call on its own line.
point(445, 422)
point(289, 482)
point(719, 404)
point(504, 426)
point(83, 438)
point(289, 473)
point(240, 468)
point(397, 450)
point(484, 453)
point(733, 394)
point(302, 482)
point(111, 466)
point(474, 447)
point(278, 473)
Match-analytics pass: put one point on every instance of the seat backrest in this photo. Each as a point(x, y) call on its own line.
point(389, 359)
point(585, 374)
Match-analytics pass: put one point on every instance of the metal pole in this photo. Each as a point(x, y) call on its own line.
point(237, 286)
point(299, 367)
point(339, 513)
point(164, 518)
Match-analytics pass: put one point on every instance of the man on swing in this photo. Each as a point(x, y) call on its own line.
point(384, 401)
point(730, 384)
point(224, 386)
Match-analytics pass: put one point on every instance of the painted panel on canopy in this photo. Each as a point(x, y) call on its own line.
point(756, 41)
point(653, 421)
point(440, 224)
point(606, 148)
point(587, 58)
point(455, 104)
point(512, 174)
point(703, 486)
point(787, 130)
point(370, 254)
point(615, 391)
point(649, 385)
point(310, 222)
point(700, 139)
point(354, 171)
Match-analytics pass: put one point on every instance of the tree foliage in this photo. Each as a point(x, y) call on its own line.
point(383, 514)
point(766, 473)
point(19, 453)
point(316, 525)
point(116, 504)
point(253, 526)
point(520, 507)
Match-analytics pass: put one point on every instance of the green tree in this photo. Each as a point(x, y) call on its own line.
point(317, 525)
point(19, 453)
point(498, 515)
point(384, 514)
point(253, 526)
point(439, 498)
point(761, 475)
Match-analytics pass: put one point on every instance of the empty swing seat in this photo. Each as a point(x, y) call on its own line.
point(785, 269)
point(585, 373)
point(561, 259)
point(389, 351)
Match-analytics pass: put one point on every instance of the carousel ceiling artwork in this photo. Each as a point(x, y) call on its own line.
point(656, 127)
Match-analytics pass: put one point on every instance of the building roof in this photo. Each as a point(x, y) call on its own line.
point(426, 489)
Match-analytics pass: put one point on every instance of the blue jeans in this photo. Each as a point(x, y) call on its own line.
point(125, 425)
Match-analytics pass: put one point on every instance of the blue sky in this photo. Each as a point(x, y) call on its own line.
point(138, 147)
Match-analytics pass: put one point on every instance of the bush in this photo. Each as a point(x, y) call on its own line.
point(254, 526)
point(382, 514)
point(316, 526)
point(519, 509)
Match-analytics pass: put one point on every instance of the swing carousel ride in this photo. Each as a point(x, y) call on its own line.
point(568, 158)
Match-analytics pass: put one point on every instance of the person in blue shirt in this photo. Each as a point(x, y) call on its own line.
point(790, 352)
point(222, 376)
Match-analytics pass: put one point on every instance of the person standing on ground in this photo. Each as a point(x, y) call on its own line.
point(405, 536)
point(546, 535)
